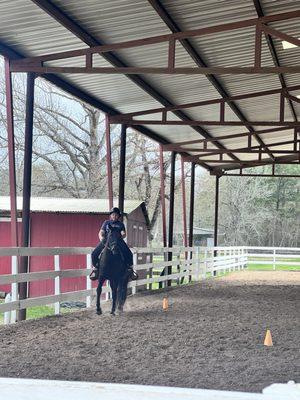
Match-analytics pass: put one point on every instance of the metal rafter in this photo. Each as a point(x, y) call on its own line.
point(223, 100)
point(275, 58)
point(174, 27)
point(78, 31)
point(68, 87)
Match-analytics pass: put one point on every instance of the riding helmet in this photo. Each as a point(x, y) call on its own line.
point(115, 210)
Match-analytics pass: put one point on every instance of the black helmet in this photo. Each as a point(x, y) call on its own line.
point(115, 210)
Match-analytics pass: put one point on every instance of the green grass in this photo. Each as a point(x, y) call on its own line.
point(269, 267)
point(40, 312)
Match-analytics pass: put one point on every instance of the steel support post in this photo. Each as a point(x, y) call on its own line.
point(172, 198)
point(108, 162)
point(216, 211)
point(185, 239)
point(162, 196)
point(122, 168)
point(192, 203)
point(24, 261)
point(11, 155)
point(171, 211)
point(216, 217)
point(191, 216)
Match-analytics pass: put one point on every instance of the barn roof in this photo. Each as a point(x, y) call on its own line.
point(68, 205)
point(42, 27)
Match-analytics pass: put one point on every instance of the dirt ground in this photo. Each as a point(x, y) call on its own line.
point(211, 337)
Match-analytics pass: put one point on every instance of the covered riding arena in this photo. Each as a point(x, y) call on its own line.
point(211, 337)
point(215, 84)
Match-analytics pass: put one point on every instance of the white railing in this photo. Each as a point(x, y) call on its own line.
point(274, 256)
point(23, 389)
point(186, 265)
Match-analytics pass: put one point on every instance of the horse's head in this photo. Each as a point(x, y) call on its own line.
point(113, 239)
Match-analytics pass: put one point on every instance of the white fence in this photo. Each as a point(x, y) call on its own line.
point(184, 265)
point(274, 256)
point(24, 389)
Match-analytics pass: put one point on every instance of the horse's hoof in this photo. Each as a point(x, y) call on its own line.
point(99, 311)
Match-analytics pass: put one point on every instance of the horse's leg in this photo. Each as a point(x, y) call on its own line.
point(122, 292)
point(114, 287)
point(99, 291)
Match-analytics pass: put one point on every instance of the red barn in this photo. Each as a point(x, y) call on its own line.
point(67, 223)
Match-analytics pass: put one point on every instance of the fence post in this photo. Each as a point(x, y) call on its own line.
point(197, 269)
point(88, 281)
point(7, 314)
point(205, 264)
point(57, 283)
point(135, 261)
point(244, 258)
point(178, 267)
point(214, 262)
point(14, 287)
point(274, 259)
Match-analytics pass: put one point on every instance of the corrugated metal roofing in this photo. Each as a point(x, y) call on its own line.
point(27, 28)
point(68, 205)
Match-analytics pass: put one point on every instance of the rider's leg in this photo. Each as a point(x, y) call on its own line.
point(99, 291)
point(95, 254)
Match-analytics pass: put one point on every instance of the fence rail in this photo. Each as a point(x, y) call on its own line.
point(185, 264)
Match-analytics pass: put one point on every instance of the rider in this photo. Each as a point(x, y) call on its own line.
point(114, 222)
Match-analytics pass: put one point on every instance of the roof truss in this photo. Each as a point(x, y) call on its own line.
point(36, 64)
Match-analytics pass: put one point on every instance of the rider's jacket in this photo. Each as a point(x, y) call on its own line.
point(114, 224)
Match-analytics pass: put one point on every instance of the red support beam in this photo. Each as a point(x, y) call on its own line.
point(175, 146)
point(11, 155)
point(162, 196)
point(213, 123)
point(108, 162)
point(280, 35)
point(171, 55)
point(122, 168)
point(264, 175)
point(258, 34)
point(24, 261)
point(156, 70)
point(73, 26)
point(226, 99)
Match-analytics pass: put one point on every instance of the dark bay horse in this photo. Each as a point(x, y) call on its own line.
point(112, 267)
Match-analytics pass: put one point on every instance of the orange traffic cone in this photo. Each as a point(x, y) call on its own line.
point(268, 339)
point(165, 304)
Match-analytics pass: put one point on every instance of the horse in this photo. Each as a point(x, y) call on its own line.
point(112, 267)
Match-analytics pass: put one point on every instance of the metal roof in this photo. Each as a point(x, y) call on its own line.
point(68, 205)
point(27, 28)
